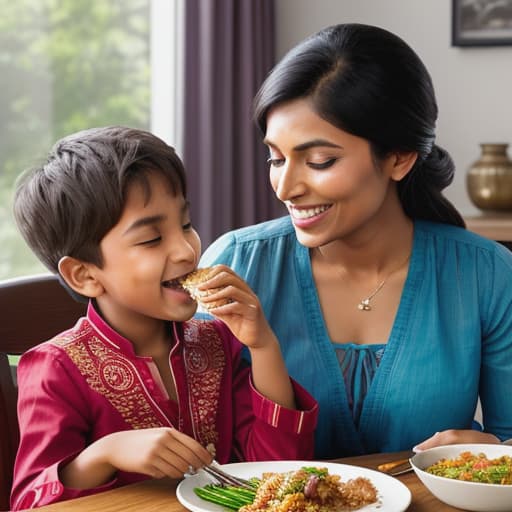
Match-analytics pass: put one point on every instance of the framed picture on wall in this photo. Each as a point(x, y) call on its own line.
point(481, 22)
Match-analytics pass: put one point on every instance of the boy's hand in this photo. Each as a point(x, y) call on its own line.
point(156, 452)
point(244, 316)
point(243, 313)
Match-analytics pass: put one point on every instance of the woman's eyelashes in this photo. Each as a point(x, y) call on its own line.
point(323, 165)
point(275, 162)
point(278, 162)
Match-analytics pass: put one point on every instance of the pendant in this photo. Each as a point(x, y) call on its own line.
point(364, 305)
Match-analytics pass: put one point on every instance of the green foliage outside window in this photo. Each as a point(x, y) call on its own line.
point(65, 65)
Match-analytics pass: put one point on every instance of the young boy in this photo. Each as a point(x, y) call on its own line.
point(137, 388)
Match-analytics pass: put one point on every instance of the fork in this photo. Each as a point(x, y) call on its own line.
point(390, 466)
point(214, 470)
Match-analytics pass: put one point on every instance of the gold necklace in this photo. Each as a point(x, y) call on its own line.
point(364, 304)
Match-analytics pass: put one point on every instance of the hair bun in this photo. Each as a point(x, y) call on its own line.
point(439, 167)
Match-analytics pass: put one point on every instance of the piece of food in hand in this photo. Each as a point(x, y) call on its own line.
point(191, 281)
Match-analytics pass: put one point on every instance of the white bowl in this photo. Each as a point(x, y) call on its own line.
point(472, 496)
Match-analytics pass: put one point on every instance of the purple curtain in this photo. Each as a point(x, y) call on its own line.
point(229, 49)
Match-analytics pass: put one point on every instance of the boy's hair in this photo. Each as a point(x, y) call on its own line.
point(68, 205)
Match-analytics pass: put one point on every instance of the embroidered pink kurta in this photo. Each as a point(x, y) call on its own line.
point(88, 382)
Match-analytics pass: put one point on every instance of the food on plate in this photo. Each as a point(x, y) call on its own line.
point(233, 498)
point(191, 281)
point(472, 467)
point(308, 489)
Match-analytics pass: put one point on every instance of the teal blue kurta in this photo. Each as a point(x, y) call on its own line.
point(451, 340)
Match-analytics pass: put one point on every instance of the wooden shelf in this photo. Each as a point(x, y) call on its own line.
point(496, 226)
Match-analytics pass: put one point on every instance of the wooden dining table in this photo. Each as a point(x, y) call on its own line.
point(160, 495)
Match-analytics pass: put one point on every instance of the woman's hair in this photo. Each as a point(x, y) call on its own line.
point(370, 83)
point(68, 205)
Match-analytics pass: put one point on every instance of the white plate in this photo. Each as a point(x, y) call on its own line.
point(394, 496)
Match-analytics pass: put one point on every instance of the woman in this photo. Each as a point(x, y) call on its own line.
point(393, 315)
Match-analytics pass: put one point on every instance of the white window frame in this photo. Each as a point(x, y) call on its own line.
point(167, 70)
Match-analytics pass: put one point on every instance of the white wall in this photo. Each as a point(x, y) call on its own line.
point(473, 85)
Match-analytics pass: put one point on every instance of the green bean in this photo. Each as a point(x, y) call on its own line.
point(230, 497)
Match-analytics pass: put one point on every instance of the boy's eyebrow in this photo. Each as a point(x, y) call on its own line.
point(153, 219)
point(144, 221)
point(307, 145)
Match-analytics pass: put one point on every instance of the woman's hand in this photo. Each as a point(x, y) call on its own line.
point(456, 437)
point(155, 452)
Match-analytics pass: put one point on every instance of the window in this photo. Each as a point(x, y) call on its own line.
point(67, 65)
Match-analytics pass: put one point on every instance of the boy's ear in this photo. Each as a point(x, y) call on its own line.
point(80, 276)
point(402, 162)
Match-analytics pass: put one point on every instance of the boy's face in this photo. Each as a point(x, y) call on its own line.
point(152, 243)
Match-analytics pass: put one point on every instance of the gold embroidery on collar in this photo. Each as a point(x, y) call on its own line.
point(204, 360)
point(112, 376)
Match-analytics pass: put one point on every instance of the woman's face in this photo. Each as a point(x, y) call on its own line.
point(325, 176)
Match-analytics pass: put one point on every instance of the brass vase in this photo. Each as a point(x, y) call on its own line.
point(489, 179)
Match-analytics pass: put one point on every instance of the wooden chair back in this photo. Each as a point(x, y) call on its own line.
point(33, 309)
